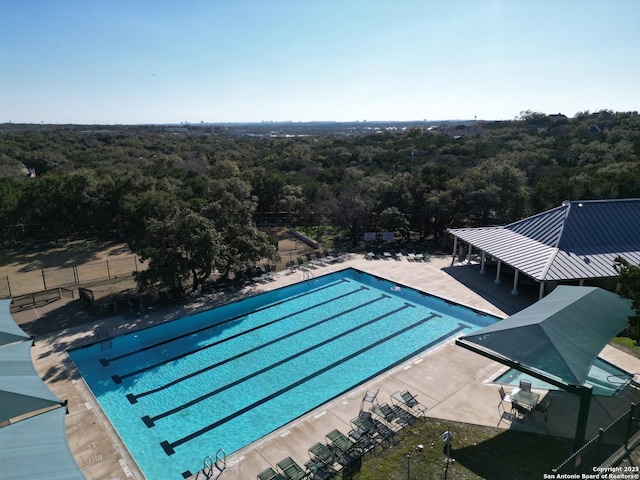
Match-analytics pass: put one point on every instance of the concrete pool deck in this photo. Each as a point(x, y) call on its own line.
point(455, 384)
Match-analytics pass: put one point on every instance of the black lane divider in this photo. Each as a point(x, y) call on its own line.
point(118, 378)
point(150, 421)
point(106, 361)
point(169, 448)
point(133, 398)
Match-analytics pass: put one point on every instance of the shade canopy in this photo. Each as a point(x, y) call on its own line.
point(21, 389)
point(37, 448)
point(9, 331)
point(560, 335)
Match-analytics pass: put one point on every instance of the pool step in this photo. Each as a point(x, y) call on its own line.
point(106, 344)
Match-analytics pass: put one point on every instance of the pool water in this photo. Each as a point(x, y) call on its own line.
point(605, 378)
point(224, 378)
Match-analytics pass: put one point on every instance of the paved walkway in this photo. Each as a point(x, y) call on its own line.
point(454, 383)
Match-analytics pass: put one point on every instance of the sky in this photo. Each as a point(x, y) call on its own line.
point(214, 61)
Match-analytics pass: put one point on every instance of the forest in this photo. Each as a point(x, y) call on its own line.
point(194, 196)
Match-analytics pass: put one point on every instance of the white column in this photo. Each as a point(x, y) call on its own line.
point(581, 282)
point(469, 254)
point(482, 261)
point(541, 293)
point(497, 280)
point(514, 290)
point(455, 247)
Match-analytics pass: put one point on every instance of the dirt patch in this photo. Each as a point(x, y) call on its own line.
point(103, 267)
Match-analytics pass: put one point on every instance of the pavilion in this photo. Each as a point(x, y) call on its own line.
point(575, 243)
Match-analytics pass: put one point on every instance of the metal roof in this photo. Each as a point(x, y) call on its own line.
point(577, 240)
point(560, 335)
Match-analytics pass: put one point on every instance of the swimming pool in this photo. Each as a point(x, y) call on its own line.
point(605, 378)
point(226, 377)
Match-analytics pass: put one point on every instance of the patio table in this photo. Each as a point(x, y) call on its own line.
point(525, 397)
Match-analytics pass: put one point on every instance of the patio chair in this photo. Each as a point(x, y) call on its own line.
point(369, 397)
point(525, 385)
point(504, 397)
point(270, 474)
point(291, 470)
point(408, 400)
point(519, 412)
point(543, 406)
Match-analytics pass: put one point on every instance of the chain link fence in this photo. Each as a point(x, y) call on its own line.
point(606, 448)
point(51, 278)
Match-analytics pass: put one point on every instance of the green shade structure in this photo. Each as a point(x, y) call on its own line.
point(9, 331)
point(562, 334)
point(37, 448)
point(557, 339)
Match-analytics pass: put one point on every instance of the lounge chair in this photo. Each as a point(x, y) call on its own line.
point(312, 262)
point(396, 417)
point(408, 400)
point(369, 397)
point(270, 272)
point(340, 441)
point(373, 428)
point(323, 453)
point(320, 470)
point(270, 474)
point(291, 470)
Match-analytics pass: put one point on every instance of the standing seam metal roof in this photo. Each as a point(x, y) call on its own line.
point(579, 239)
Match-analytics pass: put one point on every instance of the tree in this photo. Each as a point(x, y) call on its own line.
point(180, 248)
point(629, 287)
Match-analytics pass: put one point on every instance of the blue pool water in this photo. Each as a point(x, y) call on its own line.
point(226, 377)
point(605, 378)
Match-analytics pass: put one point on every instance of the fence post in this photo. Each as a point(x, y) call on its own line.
point(44, 280)
point(76, 277)
point(135, 263)
point(632, 412)
point(9, 287)
point(108, 270)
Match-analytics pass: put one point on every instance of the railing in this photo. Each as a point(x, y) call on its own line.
point(208, 465)
point(606, 448)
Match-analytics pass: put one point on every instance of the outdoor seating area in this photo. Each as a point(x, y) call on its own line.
point(263, 274)
point(398, 255)
point(523, 403)
point(316, 260)
point(377, 424)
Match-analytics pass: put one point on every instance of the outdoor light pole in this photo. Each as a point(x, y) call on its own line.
point(408, 466)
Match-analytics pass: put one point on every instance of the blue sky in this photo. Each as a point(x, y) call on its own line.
point(157, 61)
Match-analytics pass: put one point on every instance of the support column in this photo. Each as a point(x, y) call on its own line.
point(583, 417)
point(455, 247)
point(514, 290)
point(581, 282)
point(482, 262)
point(497, 280)
point(469, 254)
point(541, 293)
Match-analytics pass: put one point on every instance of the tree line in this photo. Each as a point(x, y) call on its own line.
point(185, 199)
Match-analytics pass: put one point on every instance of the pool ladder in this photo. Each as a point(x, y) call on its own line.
point(220, 464)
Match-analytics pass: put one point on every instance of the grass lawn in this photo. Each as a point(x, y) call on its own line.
point(477, 453)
